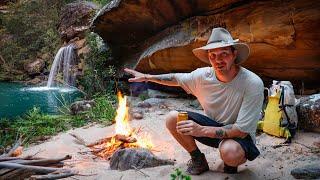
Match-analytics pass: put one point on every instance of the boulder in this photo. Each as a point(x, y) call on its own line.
point(158, 37)
point(160, 94)
point(75, 19)
point(311, 171)
point(136, 158)
point(34, 67)
point(309, 113)
point(81, 106)
point(34, 81)
point(137, 115)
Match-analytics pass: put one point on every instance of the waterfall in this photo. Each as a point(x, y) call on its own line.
point(63, 63)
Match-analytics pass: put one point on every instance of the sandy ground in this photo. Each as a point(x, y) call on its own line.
point(271, 164)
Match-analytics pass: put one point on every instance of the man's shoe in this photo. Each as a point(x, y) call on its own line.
point(230, 169)
point(197, 165)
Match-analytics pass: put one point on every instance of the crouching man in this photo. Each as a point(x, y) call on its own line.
point(231, 97)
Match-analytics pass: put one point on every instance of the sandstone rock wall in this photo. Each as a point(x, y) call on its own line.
point(158, 36)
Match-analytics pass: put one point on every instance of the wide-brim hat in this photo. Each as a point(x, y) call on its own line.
point(220, 37)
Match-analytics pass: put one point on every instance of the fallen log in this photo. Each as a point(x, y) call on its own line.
point(9, 158)
point(12, 168)
point(37, 169)
point(40, 162)
point(13, 174)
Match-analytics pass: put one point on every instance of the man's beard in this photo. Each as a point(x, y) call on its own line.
point(222, 68)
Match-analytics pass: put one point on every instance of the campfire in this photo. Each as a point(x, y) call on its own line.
point(125, 136)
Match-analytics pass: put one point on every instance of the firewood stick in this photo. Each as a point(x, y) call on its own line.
point(17, 173)
point(79, 140)
point(101, 141)
point(31, 157)
point(40, 162)
point(4, 171)
point(53, 176)
point(37, 169)
point(9, 158)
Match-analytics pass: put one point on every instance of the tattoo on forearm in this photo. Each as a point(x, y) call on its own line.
point(220, 133)
point(165, 77)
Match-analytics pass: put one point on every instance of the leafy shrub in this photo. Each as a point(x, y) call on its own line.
point(179, 175)
point(103, 111)
point(99, 75)
point(34, 125)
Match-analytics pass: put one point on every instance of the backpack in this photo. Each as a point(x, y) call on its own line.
point(279, 118)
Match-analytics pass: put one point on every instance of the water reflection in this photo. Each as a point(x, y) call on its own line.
point(16, 99)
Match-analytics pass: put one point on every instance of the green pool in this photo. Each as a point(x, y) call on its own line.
point(16, 98)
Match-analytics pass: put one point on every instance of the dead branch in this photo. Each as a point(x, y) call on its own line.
point(135, 168)
point(40, 162)
point(78, 140)
point(12, 150)
point(37, 169)
point(13, 174)
point(9, 158)
point(4, 171)
point(312, 149)
point(53, 175)
point(101, 141)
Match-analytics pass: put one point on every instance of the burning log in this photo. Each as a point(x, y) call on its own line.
point(106, 147)
point(132, 158)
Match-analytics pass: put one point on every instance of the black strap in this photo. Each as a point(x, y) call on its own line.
point(283, 106)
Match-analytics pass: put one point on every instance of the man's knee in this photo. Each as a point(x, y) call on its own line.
point(232, 153)
point(171, 120)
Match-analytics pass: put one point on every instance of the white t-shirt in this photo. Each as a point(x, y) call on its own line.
point(238, 102)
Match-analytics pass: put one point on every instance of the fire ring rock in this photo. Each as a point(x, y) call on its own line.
point(132, 158)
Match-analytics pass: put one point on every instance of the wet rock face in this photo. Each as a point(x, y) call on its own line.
point(75, 19)
point(35, 67)
point(6, 2)
point(132, 158)
point(309, 113)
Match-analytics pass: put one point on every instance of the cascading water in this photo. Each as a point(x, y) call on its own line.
point(16, 99)
point(63, 63)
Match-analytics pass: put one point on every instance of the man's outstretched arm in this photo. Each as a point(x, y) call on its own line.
point(165, 79)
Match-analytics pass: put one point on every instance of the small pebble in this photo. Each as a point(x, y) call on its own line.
point(137, 115)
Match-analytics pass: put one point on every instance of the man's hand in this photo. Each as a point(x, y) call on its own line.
point(138, 76)
point(189, 127)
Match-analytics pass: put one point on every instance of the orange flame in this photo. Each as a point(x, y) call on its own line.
point(106, 148)
point(122, 126)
